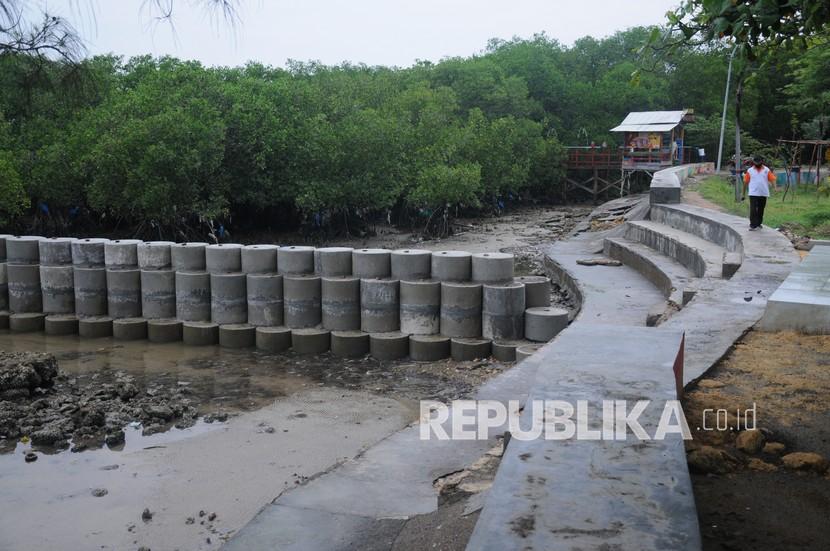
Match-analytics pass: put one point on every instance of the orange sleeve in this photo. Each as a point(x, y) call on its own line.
point(746, 177)
point(771, 177)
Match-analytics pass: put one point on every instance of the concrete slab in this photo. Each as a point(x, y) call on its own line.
point(802, 302)
point(588, 494)
point(703, 258)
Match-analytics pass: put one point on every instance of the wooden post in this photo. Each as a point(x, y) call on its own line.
point(596, 184)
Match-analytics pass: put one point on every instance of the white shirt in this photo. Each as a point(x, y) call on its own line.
point(759, 180)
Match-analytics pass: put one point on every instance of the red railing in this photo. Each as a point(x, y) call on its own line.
point(594, 157)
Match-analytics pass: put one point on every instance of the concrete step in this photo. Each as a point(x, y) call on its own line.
point(584, 493)
point(703, 258)
point(670, 276)
point(802, 302)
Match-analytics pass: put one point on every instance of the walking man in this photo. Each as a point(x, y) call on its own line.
point(758, 180)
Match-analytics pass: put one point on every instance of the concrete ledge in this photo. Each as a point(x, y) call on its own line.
point(596, 494)
point(702, 224)
point(802, 302)
point(666, 184)
point(701, 257)
point(665, 273)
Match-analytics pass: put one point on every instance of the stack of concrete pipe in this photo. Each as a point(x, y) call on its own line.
point(390, 304)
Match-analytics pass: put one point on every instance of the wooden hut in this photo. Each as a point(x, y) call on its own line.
point(653, 140)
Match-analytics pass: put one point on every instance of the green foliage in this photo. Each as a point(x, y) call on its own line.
point(175, 143)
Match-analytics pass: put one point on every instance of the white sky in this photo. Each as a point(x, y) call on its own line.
point(375, 32)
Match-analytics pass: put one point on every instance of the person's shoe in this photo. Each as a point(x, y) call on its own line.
point(752, 228)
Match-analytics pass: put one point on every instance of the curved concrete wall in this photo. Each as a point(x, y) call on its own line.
point(704, 227)
point(665, 184)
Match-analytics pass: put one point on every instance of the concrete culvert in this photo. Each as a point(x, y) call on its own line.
point(333, 261)
point(411, 264)
point(544, 322)
point(452, 265)
point(537, 290)
point(492, 267)
point(56, 251)
point(295, 259)
point(259, 259)
point(88, 252)
point(223, 258)
point(121, 253)
point(371, 263)
point(154, 255)
point(188, 257)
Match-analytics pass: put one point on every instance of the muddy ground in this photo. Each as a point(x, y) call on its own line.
point(768, 489)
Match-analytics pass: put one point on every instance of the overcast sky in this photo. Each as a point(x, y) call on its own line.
point(375, 32)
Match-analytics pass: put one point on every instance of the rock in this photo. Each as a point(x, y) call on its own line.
point(190, 520)
point(756, 464)
point(159, 412)
point(598, 262)
point(710, 383)
point(774, 448)
point(750, 441)
point(146, 515)
point(706, 460)
point(805, 461)
point(99, 492)
point(212, 517)
point(48, 435)
point(115, 438)
point(26, 371)
point(30, 456)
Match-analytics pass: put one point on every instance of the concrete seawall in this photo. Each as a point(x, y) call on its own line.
point(237, 296)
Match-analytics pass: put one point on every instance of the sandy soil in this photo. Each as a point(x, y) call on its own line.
point(748, 501)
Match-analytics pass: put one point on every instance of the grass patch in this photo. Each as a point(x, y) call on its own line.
point(804, 212)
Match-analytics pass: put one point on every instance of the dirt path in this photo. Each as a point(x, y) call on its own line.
point(750, 492)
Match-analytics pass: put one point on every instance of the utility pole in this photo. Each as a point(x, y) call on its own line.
point(725, 103)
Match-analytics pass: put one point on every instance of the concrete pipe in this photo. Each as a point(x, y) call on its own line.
point(4, 287)
point(310, 340)
point(259, 259)
point(544, 322)
point(24, 288)
point(121, 253)
point(502, 311)
point(158, 293)
point(340, 303)
point(349, 344)
point(23, 249)
point(379, 305)
point(295, 260)
point(129, 329)
point(505, 351)
point(89, 252)
point(461, 310)
point(188, 257)
point(193, 296)
point(223, 258)
point(537, 290)
point(273, 339)
point(429, 348)
point(411, 264)
point(420, 307)
point(466, 350)
point(526, 351)
point(162, 331)
point(95, 327)
point(124, 293)
point(56, 251)
point(393, 345)
point(302, 300)
point(57, 285)
point(451, 265)
point(29, 322)
point(228, 298)
point(237, 335)
point(265, 301)
point(333, 261)
point(90, 291)
point(200, 333)
point(3, 238)
point(60, 324)
point(154, 255)
point(492, 267)
point(371, 263)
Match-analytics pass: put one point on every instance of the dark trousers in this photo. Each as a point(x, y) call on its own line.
point(756, 210)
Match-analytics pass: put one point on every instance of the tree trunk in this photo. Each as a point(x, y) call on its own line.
point(739, 165)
